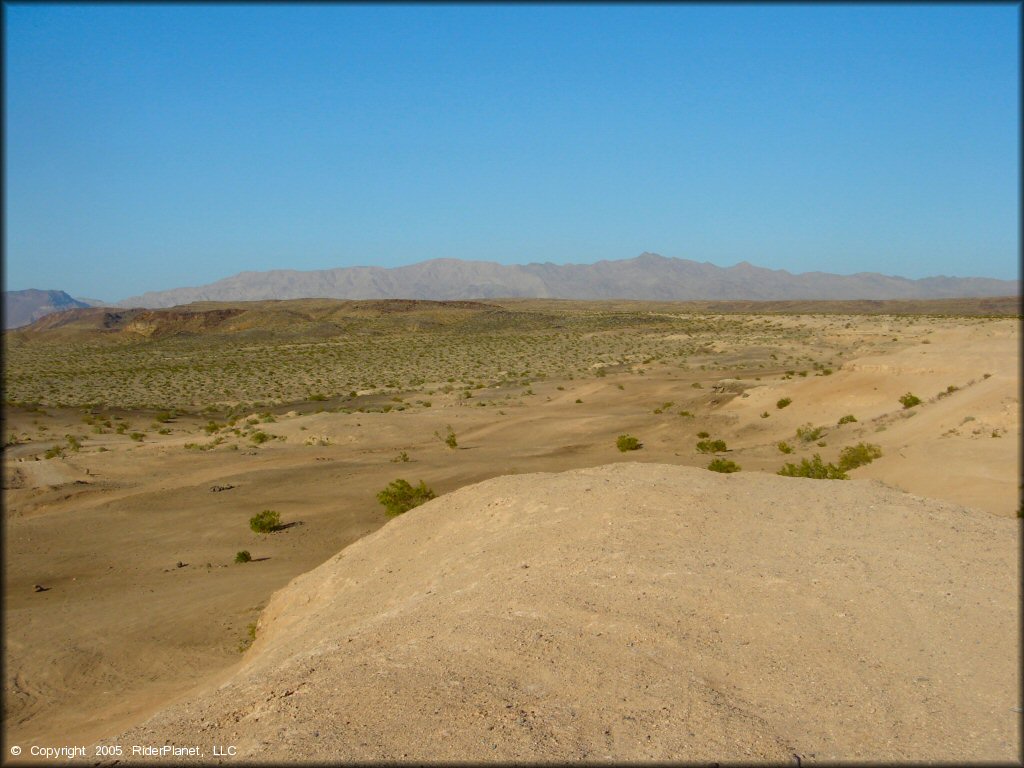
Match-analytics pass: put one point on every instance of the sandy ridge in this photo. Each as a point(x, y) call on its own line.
point(638, 611)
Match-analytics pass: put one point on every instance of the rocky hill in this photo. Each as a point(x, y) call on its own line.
point(648, 277)
point(637, 612)
point(24, 307)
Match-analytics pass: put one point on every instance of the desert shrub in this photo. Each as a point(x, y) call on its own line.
point(847, 419)
point(814, 468)
point(703, 434)
point(266, 521)
point(723, 465)
point(909, 400)
point(808, 433)
point(627, 443)
point(400, 496)
point(164, 416)
point(764, 415)
point(784, 446)
point(858, 455)
point(711, 446)
point(54, 452)
point(783, 402)
point(259, 437)
point(136, 436)
point(448, 438)
point(401, 457)
point(243, 556)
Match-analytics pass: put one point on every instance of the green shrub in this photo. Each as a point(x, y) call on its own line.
point(627, 443)
point(909, 400)
point(808, 433)
point(847, 419)
point(711, 446)
point(703, 434)
point(54, 452)
point(723, 465)
point(400, 496)
point(783, 402)
point(858, 455)
point(448, 438)
point(814, 468)
point(136, 436)
point(243, 556)
point(785, 447)
point(403, 456)
point(259, 437)
point(266, 521)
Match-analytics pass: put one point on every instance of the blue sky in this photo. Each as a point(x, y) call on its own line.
point(157, 146)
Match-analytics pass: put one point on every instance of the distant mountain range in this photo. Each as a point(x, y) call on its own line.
point(24, 307)
point(648, 276)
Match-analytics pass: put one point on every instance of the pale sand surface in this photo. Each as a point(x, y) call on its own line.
point(638, 612)
point(122, 631)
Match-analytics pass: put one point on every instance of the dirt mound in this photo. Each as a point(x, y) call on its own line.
point(637, 612)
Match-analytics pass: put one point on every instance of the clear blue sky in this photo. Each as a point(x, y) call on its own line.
point(157, 146)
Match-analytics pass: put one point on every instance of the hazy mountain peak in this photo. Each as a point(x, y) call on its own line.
point(648, 276)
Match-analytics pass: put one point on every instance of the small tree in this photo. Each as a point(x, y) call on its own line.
point(400, 496)
point(266, 521)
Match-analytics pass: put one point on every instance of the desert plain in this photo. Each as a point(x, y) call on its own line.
point(560, 598)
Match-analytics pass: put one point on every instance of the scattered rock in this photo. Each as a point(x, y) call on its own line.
point(219, 488)
point(40, 588)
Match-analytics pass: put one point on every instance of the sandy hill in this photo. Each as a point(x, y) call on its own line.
point(637, 612)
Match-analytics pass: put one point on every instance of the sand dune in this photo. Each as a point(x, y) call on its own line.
point(634, 612)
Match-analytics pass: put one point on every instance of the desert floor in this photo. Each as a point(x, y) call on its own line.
point(133, 540)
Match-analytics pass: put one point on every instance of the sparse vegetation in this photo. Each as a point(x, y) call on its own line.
point(448, 438)
point(909, 400)
point(814, 468)
point(847, 419)
point(711, 446)
point(627, 443)
point(266, 521)
point(723, 465)
point(784, 446)
point(783, 403)
point(243, 556)
point(400, 496)
point(858, 455)
point(809, 433)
